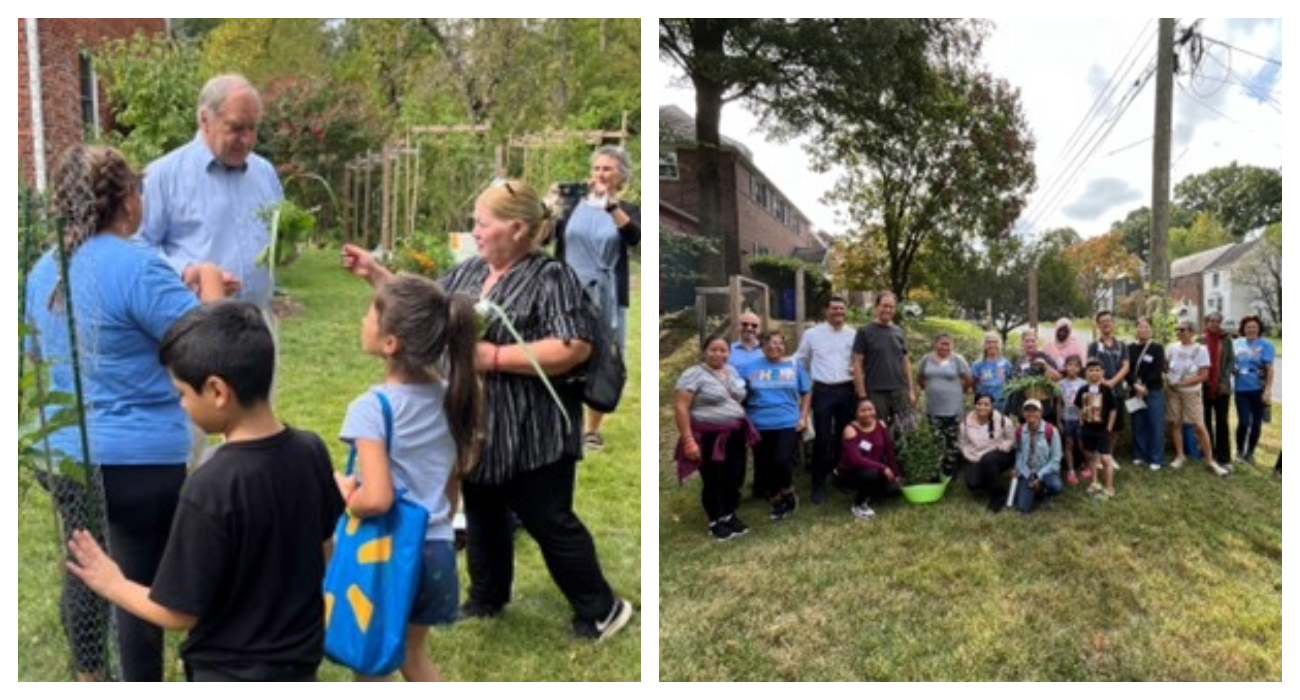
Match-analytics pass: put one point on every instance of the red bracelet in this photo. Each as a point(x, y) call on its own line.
point(496, 359)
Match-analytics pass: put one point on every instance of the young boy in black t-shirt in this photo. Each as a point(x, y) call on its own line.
point(1097, 408)
point(246, 554)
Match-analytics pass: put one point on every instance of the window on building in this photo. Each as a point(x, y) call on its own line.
point(89, 97)
point(1214, 280)
point(668, 166)
point(760, 192)
point(778, 210)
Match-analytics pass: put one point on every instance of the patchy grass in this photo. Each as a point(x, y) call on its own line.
point(322, 369)
point(1177, 578)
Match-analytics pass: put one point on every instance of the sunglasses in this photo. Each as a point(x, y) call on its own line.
point(504, 183)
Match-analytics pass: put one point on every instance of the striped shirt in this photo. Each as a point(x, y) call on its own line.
point(525, 428)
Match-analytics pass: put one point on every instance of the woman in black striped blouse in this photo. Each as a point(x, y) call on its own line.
point(533, 442)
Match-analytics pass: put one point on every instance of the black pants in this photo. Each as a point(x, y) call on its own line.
point(257, 672)
point(774, 460)
point(986, 474)
point(866, 483)
point(543, 501)
point(833, 407)
point(141, 501)
point(722, 480)
point(1216, 424)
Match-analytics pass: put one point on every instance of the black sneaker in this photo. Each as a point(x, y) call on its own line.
point(734, 522)
point(601, 630)
point(791, 503)
point(720, 532)
point(778, 511)
point(473, 608)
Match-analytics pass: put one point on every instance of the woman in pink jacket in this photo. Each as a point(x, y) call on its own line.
point(988, 441)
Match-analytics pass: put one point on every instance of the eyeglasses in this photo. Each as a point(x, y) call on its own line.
point(749, 325)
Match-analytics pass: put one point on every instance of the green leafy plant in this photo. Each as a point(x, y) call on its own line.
point(1032, 386)
point(920, 454)
point(427, 254)
point(291, 225)
point(36, 425)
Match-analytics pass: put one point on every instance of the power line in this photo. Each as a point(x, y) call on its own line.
point(1238, 48)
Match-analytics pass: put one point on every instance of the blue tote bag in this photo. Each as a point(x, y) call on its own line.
point(371, 581)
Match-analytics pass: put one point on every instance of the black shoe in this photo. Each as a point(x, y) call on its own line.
point(792, 503)
point(735, 524)
point(720, 532)
point(997, 503)
point(473, 608)
point(600, 630)
point(819, 493)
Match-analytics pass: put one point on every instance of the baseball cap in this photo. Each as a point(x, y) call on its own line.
point(1034, 404)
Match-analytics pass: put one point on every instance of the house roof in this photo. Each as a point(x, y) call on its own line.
point(682, 126)
point(1229, 258)
point(1196, 263)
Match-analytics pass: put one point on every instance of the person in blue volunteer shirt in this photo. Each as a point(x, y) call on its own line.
point(991, 371)
point(780, 398)
point(123, 299)
point(1253, 384)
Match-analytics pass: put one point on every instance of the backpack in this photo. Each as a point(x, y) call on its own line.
point(1047, 432)
point(604, 373)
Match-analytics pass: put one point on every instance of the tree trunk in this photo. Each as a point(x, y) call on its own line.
point(708, 115)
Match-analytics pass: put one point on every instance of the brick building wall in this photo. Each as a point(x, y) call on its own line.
point(758, 227)
point(61, 44)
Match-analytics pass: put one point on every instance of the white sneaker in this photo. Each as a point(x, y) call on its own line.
point(1155, 466)
point(863, 512)
point(1178, 462)
point(1139, 463)
point(1214, 467)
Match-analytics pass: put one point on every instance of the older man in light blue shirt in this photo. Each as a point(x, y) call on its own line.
point(207, 200)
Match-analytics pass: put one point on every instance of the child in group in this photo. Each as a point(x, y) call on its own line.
point(436, 423)
point(244, 561)
point(1071, 383)
point(1097, 408)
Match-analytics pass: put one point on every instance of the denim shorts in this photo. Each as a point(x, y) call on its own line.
point(438, 600)
point(1071, 429)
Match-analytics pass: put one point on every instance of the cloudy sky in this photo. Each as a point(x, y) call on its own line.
point(1093, 155)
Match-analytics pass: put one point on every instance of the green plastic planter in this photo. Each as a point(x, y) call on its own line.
point(925, 493)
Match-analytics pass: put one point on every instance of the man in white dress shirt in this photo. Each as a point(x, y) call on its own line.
point(826, 350)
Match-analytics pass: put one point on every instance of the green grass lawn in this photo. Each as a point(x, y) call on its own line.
point(1177, 578)
point(322, 370)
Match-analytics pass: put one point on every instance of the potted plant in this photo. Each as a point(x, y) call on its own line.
point(1030, 386)
point(920, 455)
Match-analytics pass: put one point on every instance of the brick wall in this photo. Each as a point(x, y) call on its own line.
point(61, 44)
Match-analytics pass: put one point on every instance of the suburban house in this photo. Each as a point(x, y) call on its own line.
point(1214, 280)
point(59, 100)
point(751, 202)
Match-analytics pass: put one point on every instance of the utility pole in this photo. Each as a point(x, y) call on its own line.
point(1158, 259)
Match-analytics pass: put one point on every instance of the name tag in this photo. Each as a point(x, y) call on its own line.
point(864, 446)
point(1146, 358)
point(1094, 389)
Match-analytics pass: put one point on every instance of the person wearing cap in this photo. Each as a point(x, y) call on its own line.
point(1097, 409)
point(747, 347)
point(1063, 343)
point(1038, 459)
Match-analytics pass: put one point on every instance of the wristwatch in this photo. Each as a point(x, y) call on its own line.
point(611, 207)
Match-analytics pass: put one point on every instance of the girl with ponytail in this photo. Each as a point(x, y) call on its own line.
point(427, 339)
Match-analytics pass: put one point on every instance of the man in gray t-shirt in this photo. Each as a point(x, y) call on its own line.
point(881, 370)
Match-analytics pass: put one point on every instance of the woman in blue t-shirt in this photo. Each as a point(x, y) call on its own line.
point(780, 397)
point(123, 298)
point(1253, 384)
point(991, 371)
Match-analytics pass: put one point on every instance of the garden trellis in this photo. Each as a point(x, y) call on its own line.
point(75, 488)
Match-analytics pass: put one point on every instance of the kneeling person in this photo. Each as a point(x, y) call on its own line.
point(1038, 459)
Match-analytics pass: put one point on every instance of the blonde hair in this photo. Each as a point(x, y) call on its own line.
point(514, 200)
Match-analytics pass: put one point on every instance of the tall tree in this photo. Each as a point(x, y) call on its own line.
point(954, 166)
point(1204, 233)
point(1242, 197)
point(1263, 275)
point(1101, 262)
point(1000, 274)
point(799, 75)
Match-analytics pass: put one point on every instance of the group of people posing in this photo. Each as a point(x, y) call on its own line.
point(857, 390)
point(234, 550)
